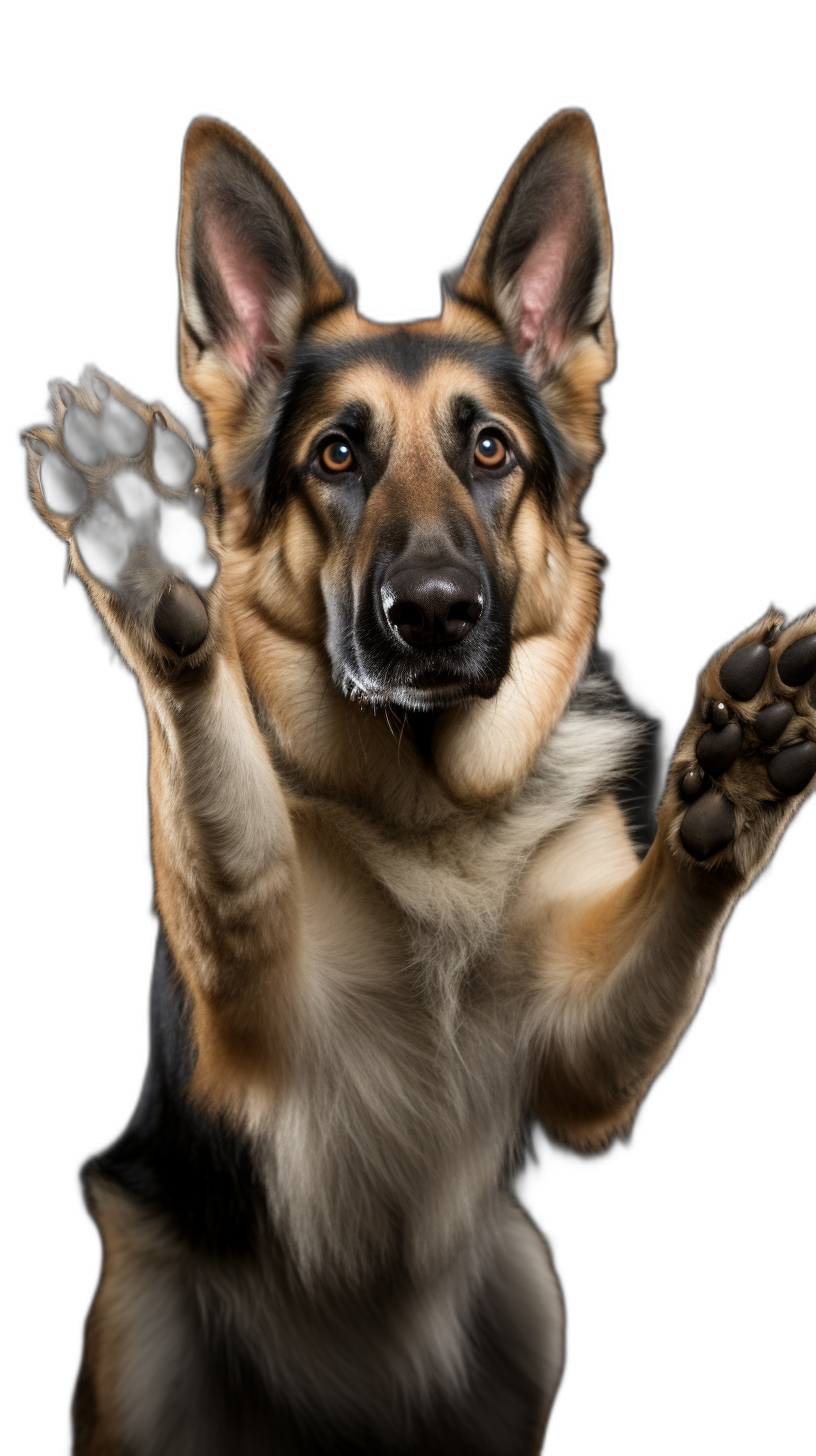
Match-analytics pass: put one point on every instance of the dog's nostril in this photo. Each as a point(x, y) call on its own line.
point(406, 614)
point(466, 611)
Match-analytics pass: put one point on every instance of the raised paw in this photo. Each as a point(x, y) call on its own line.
point(122, 484)
point(748, 755)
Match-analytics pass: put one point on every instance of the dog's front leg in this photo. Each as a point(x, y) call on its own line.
point(621, 964)
point(133, 499)
point(224, 860)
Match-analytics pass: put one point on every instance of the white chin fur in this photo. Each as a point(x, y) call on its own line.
point(417, 699)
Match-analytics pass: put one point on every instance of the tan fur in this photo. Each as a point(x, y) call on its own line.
point(396, 950)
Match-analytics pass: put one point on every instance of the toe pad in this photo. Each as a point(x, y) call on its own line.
point(742, 674)
point(173, 460)
point(798, 662)
point(82, 436)
point(719, 747)
point(791, 769)
point(64, 490)
point(123, 432)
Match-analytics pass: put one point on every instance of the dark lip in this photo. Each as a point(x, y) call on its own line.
point(414, 698)
point(428, 685)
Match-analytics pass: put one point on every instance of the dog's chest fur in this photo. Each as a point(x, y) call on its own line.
point(401, 1116)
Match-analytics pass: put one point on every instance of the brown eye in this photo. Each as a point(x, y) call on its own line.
point(337, 456)
point(489, 451)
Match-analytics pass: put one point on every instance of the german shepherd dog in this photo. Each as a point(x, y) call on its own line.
point(403, 909)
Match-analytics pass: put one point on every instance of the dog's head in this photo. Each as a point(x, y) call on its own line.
point(404, 499)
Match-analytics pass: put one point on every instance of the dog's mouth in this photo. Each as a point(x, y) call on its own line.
point(414, 696)
point(384, 669)
point(422, 635)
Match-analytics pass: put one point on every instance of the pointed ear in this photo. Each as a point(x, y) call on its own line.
point(541, 263)
point(252, 277)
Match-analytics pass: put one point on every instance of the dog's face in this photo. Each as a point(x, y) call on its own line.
point(404, 497)
point(411, 452)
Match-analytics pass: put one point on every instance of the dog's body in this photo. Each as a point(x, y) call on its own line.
point(402, 909)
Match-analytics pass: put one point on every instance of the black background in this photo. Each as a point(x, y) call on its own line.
point(681, 1251)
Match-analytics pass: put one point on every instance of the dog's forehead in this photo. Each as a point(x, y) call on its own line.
point(411, 381)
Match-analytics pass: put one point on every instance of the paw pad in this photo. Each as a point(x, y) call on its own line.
point(743, 673)
point(771, 722)
point(791, 769)
point(180, 620)
point(126, 433)
point(757, 754)
point(709, 825)
point(82, 436)
point(103, 539)
point(798, 662)
point(112, 466)
point(718, 749)
point(173, 460)
point(64, 489)
point(135, 494)
point(182, 542)
point(693, 782)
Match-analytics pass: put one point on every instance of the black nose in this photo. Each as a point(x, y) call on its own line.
point(432, 606)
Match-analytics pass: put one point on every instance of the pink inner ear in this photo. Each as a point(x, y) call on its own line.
point(540, 282)
point(248, 286)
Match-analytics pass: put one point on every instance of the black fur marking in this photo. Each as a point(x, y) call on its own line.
point(196, 338)
point(172, 1156)
point(355, 419)
point(637, 790)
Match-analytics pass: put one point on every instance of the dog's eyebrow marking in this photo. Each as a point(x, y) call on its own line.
point(355, 418)
point(464, 410)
